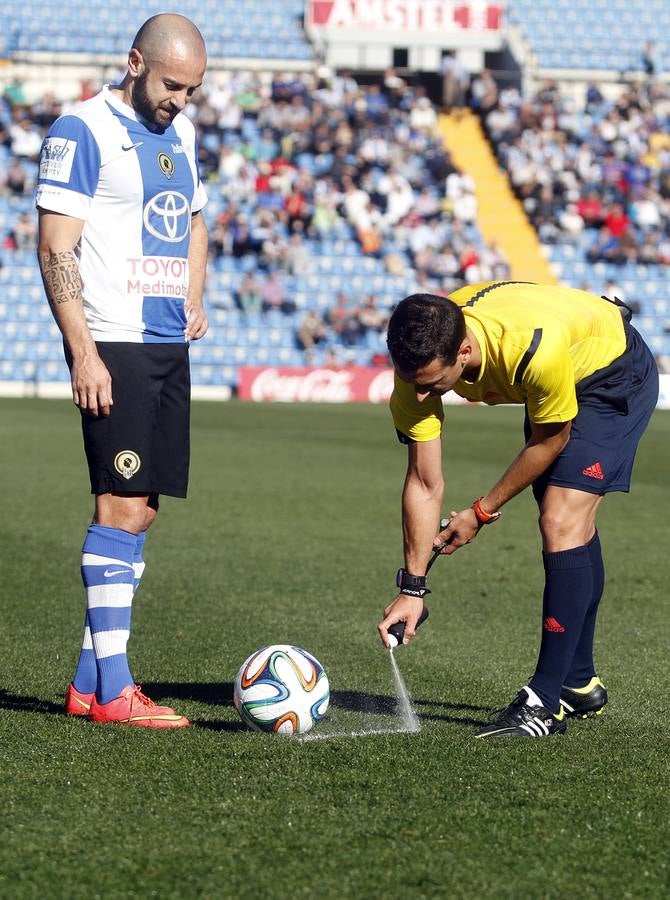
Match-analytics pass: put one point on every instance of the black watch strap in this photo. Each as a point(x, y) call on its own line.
point(412, 585)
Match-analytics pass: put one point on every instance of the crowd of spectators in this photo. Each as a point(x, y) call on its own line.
point(302, 160)
point(295, 161)
point(309, 159)
point(596, 176)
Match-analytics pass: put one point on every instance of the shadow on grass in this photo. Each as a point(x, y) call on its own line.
point(221, 694)
point(23, 703)
point(216, 693)
point(381, 704)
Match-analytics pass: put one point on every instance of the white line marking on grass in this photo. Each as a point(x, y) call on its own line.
point(411, 724)
point(367, 732)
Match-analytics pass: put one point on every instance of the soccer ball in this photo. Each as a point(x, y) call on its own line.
point(282, 689)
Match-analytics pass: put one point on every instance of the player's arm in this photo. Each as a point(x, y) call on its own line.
point(196, 320)
point(91, 382)
point(421, 504)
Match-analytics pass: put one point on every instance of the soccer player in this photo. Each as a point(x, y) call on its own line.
point(122, 251)
point(589, 385)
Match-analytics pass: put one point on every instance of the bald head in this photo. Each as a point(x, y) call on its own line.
point(166, 65)
point(166, 34)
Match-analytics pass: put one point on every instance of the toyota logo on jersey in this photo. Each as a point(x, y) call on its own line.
point(167, 216)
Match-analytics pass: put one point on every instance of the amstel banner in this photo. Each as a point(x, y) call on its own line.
point(429, 16)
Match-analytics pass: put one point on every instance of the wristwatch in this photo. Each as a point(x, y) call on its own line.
point(483, 517)
point(412, 585)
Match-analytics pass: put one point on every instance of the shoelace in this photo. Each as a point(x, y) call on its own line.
point(518, 706)
point(147, 701)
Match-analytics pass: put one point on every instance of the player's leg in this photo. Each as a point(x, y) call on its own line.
point(113, 469)
point(108, 575)
point(117, 698)
point(85, 680)
point(121, 454)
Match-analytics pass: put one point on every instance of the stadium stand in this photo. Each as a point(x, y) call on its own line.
point(323, 190)
point(600, 35)
point(331, 199)
point(595, 183)
point(232, 30)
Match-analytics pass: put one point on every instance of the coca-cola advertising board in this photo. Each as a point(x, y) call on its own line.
point(350, 384)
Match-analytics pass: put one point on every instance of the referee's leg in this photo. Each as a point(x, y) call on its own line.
point(567, 525)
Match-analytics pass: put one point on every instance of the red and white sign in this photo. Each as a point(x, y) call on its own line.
point(355, 384)
point(405, 15)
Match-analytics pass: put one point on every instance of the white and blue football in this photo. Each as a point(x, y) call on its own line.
point(281, 689)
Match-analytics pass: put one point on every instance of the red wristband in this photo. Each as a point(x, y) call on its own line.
point(483, 517)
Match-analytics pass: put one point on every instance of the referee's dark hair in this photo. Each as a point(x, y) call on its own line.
point(424, 327)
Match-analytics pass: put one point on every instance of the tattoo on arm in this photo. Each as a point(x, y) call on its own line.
point(60, 274)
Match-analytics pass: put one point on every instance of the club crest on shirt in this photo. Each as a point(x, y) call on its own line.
point(166, 165)
point(127, 463)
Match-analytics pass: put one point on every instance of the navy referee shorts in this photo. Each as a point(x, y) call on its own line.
point(615, 406)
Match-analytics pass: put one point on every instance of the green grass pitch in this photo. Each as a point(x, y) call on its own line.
point(291, 534)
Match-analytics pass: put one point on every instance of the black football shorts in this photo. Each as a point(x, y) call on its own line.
point(143, 446)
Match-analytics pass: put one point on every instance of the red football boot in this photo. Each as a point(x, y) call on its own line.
point(76, 703)
point(131, 707)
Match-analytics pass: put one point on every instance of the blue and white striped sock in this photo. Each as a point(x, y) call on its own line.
point(108, 574)
point(86, 677)
point(138, 562)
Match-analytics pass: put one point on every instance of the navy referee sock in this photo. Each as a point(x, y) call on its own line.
point(568, 591)
point(582, 669)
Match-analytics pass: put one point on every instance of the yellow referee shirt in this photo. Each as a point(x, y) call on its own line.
point(537, 342)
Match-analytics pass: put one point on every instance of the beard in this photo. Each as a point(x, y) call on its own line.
point(143, 105)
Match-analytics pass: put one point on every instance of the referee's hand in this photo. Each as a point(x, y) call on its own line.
point(403, 609)
point(463, 527)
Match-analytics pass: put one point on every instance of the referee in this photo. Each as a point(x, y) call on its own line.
point(589, 385)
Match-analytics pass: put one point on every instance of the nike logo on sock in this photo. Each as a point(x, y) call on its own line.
point(109, 572)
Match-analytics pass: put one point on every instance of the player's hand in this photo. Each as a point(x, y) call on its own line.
point(196, 320)
point(92, 385)
point(463, 527)
point(403, 609)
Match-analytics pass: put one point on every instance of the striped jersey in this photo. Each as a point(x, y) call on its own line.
point(537, 343)
point(135, 189)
